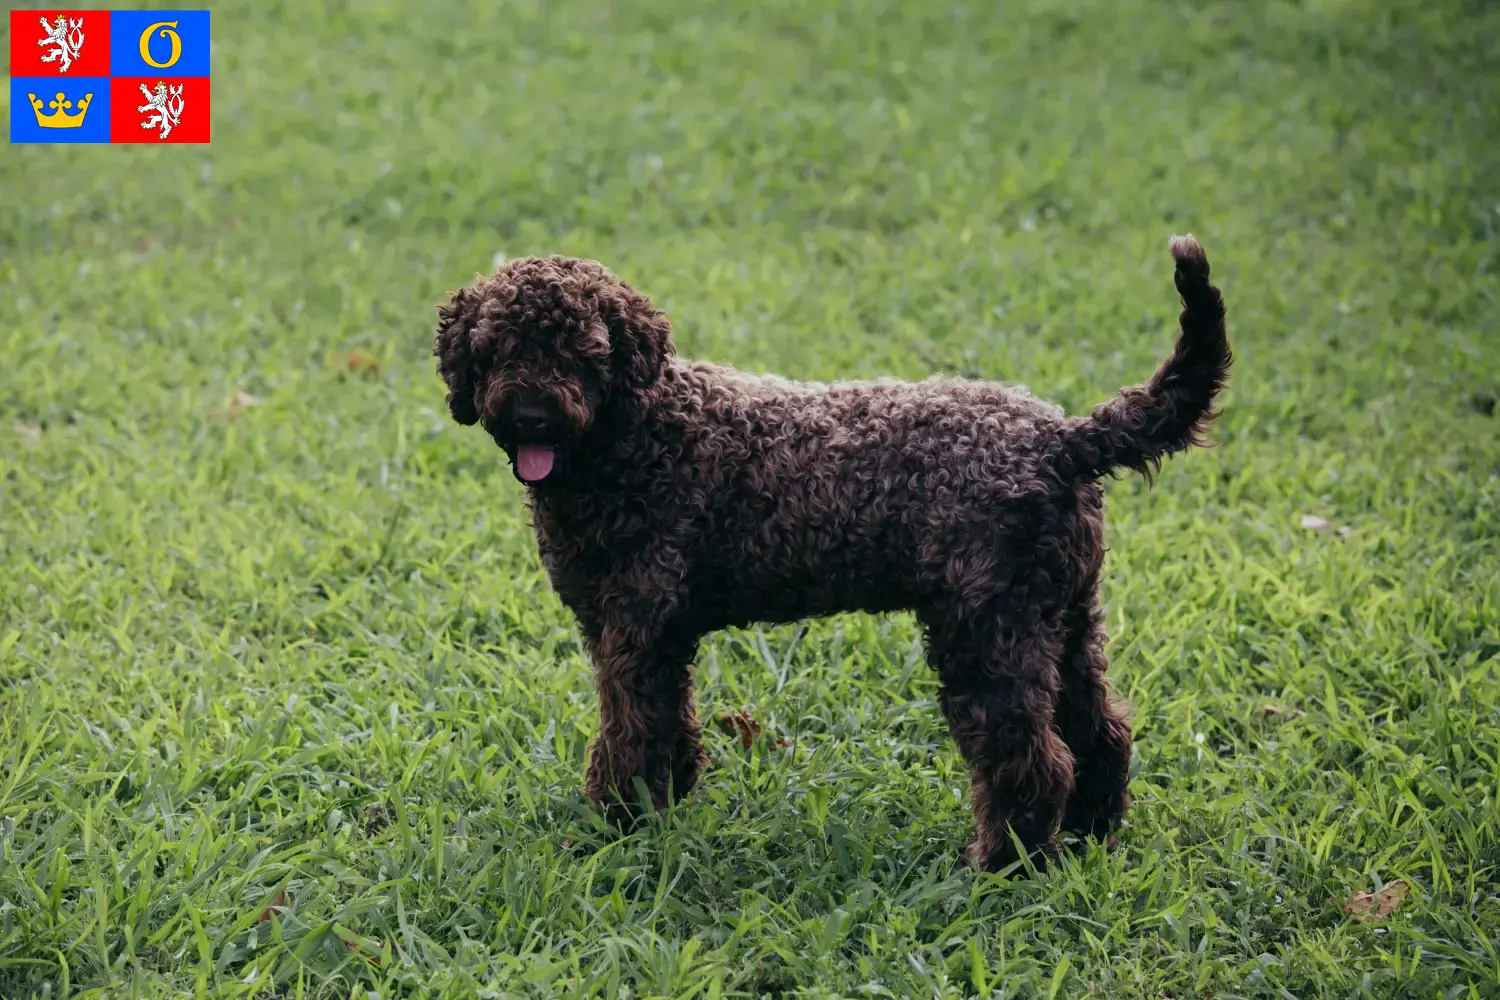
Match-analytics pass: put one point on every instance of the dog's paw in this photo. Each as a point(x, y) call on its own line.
point(987, 857)
point(1095, 817)
point(614, 805)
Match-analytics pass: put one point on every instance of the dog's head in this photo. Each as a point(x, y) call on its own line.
point(538, 350)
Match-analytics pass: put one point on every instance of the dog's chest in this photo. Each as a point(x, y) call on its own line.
point(583, 540)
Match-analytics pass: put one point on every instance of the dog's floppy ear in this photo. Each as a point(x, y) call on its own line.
point(640, 338)
point(455, 353)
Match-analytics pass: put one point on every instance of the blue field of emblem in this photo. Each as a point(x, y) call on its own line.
point(159, 43)
point(35, 114)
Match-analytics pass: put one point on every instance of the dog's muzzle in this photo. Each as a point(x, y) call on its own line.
point(534, 427)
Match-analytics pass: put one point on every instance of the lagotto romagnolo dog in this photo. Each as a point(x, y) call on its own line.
point(674, 497)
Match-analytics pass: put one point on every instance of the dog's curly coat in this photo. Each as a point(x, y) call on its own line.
point(672, 498)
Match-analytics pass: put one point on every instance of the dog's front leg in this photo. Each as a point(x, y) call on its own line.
point(648, 723)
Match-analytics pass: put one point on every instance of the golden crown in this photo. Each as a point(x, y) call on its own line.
point(60, 117)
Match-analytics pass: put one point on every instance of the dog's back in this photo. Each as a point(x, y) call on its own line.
point(810, 499)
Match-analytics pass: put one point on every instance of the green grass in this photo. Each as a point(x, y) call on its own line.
point(305, 653)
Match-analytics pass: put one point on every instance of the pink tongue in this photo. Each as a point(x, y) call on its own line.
point(534, 461)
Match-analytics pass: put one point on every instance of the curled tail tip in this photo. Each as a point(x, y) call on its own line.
point(1171, 411)
point(1192, 262)
point(1187, 248)
point(1192, 272)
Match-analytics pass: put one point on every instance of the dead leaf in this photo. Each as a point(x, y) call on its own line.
point(742, 723)
point(746, 726)
point(1272, 710)
point(1366, 906)
point(357, 362)
point(30, 434)
point(1344, 531)
point(240, 400)
point(1312, 522)
point(277, 905)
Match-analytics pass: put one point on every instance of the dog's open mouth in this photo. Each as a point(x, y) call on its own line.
point(534, 462)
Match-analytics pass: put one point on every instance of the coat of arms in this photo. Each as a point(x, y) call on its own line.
point(167, 104)
point(64, 38)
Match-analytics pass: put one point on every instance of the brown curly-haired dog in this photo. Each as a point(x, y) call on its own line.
point(674, 497)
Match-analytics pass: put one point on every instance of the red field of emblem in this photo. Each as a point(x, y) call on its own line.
point(159, 109)
point(62, 43)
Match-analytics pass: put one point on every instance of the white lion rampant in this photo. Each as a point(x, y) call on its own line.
point(67, 37)
point(167, 102)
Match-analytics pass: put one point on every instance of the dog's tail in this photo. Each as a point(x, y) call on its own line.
point(1171, 412)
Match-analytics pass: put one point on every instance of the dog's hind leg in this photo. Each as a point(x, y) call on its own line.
point(1095, 726)
point(648, 724)
point(999, 692)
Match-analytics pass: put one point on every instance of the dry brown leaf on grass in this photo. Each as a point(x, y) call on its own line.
point(1366, 906)
point(356, 362)
point(741, 723)
point(275, 908)
point(237, 401)
point(1272, 710)
point(746, 726)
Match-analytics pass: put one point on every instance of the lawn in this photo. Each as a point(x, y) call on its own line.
point(288, 709)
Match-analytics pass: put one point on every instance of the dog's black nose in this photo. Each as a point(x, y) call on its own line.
point(531, 417)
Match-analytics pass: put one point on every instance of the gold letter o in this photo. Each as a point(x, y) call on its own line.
point(166, 32)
